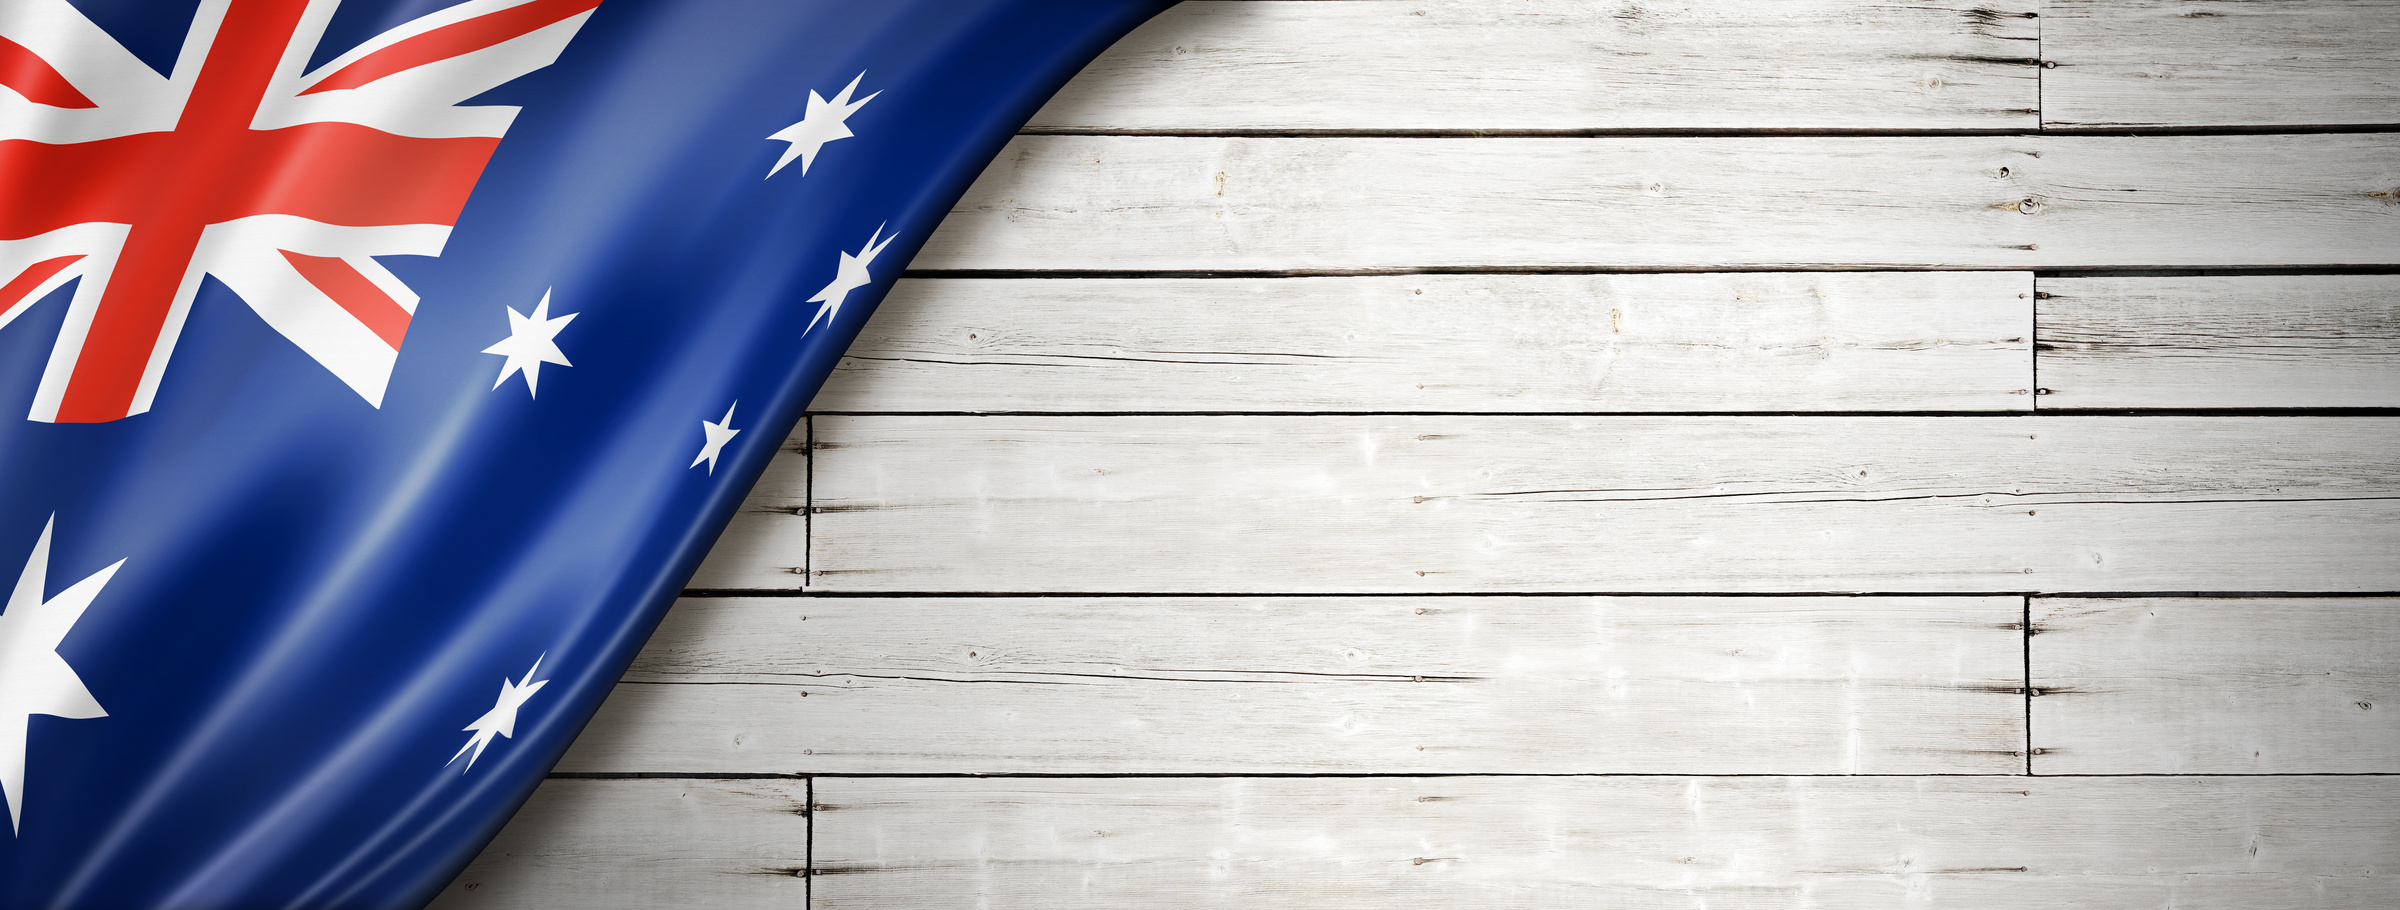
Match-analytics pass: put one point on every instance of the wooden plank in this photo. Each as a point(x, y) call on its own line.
point(1727, 685)
point(1601, 504)
point(591, 844)
point(2220, 62)
point(2217, 686)
point(1791, 341)
point(1563, 64)
point(2277, 843)
point(2007, 202)
point(771, 523)
point(2281, 341)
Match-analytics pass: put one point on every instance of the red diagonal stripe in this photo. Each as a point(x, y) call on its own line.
point(450, 41)
point(33, 77)
point(15, 291)
point(372, 307)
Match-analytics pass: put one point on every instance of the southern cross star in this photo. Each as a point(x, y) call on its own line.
point(848, 275)
point(501, 720)
point(33, 678)
point(531, 343)
point(822, 123)
point(719, 432)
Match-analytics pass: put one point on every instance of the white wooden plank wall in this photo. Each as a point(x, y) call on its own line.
point(2266, 341)
point(1543, 453)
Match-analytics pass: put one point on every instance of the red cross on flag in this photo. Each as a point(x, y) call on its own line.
point(282, 183)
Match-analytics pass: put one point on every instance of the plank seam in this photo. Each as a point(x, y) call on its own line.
point(1712, 132)
point(2025, 650)
point(808, 854)
point(2025, 414)
point(808, 497)
point(1203, 775)
point(2084, 595)
point(2127, 271)
point(2042, 65)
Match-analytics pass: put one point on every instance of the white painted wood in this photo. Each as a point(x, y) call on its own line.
point(2220, 62)
point(1563, 64)
point(1726, 685)
point(1487, 504)
point(2280, 341)
point(1902, 341)
point(594, 844)
point(1600, 504)
point(1816, 843)
point(2011, 202)
point(771, 522)
point(2217, 686)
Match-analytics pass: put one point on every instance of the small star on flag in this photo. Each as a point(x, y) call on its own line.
point(849, 274)
point(822, 123)
point(531, 342)
point(501, 720)
point(719, 433)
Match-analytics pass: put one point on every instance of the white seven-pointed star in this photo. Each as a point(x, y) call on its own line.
point(530, 344)
point(719, 433)
point(822, 124)
point(33, 678)
point(849, 275)
point(501, 720)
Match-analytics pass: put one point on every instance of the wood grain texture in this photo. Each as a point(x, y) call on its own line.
point(2279, 341)
point(2220, 62)
point(1942, 341)
point(2008, 202)
point(592, 844)
point(771, 523)
point(1815, 843)
point(1724, 685)
point(2173, 686)
point(1601, 504)
point(1561, 64)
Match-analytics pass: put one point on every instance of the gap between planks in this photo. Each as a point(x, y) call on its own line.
point(1053, 274)
point(1701, 133)
point(1402, 775)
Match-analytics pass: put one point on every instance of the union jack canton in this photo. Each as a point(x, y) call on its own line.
point(141, 183)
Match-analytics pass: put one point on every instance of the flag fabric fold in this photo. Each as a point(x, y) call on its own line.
point(373, 374)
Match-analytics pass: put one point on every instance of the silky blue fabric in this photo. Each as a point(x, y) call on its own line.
point(318, 596)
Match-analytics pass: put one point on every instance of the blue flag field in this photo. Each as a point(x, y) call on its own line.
point(373, 373)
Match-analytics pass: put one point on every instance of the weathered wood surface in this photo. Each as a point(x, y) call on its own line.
point(1563, 64)
point(2209, 686)
point(1449, 502)
point(1599, 504)
point(2220, 62)
point(593, 844)
point(771, 524)
point(1716, 685)
point(1892, 341)
point(2009, 202)
point(2282, 341)
point(1971, 843)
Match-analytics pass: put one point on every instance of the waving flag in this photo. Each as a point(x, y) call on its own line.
point(385, 366)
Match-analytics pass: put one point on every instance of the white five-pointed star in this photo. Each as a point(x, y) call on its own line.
point(719, 433)
point(850, 275)
point(530, 344)
point(821, 124)
point(33, 678)
point(501, 720)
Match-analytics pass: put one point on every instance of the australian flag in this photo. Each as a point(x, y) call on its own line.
point(373, 373)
